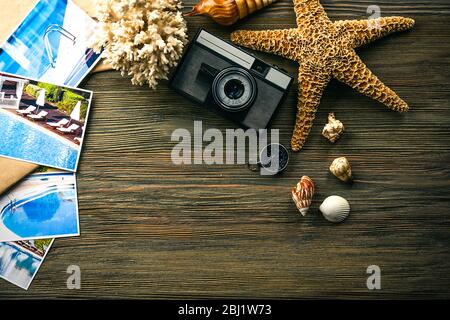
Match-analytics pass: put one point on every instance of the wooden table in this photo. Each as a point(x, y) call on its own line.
point(152, 229)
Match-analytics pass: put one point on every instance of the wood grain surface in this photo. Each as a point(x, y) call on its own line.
point(151, 229)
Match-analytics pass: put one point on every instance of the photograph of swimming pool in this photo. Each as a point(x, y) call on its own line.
point(42, 122)
point(51, 44)
point(21, 260)
point(44, 205)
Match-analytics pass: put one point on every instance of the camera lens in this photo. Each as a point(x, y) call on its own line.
point(234, 89)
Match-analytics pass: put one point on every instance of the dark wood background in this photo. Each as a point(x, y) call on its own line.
point(151, 229)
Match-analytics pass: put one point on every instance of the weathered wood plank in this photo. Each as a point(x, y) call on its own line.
point(153, 229)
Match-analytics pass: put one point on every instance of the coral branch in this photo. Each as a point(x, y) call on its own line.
point(143, 39)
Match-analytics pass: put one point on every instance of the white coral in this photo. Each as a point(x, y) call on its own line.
point(141, 38)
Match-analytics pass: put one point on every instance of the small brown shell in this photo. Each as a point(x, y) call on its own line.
point(340, 167)
point(303, 193)
point(333, 129)
point(227, 12)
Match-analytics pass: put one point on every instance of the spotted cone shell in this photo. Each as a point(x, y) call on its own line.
point(303, 193)
point(340, 167)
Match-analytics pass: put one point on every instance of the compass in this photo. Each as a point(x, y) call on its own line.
point(273, 159)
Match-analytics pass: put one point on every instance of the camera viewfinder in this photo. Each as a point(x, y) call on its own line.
point(260, 67)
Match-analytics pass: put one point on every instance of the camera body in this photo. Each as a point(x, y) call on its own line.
point(226, 79)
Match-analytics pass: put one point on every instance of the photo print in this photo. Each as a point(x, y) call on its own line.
point(51, 44)
point(42, 123)
point(43, 205)
point(21, 260)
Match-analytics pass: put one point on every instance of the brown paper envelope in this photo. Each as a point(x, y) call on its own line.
point(11, 171)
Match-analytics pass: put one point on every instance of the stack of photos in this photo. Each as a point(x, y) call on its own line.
point(43, 120)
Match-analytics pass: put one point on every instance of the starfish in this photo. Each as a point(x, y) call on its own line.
point(326, 50)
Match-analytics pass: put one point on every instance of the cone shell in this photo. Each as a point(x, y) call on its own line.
point(335, 209)
point(303, 193)
point(227, 12)
point(340, 167)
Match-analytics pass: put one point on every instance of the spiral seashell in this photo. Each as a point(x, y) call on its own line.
point(227, 12)
point(303, 193)
point(340, 167)
point(335, 209)
point(333, 129)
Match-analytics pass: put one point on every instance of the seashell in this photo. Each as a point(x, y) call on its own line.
point(340, 167)
point(335, 208)
point(302, 194)
point(227, 12)
point(333, 129)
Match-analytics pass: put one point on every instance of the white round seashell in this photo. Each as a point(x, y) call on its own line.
point(335, 208)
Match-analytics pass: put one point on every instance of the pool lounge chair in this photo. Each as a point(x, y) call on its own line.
point(27, 111)
point(40, 116)
point(60, 123)
point(79, 139)
point(71, 129)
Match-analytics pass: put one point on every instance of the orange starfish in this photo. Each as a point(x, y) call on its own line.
point(325, 50)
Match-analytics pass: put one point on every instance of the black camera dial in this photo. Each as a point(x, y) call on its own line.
point(234, 89)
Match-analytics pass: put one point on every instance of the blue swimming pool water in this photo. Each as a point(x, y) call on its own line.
point(22, 141)
point(52, 213)
point(17, 266)
point(27, 42)
point(29, 35)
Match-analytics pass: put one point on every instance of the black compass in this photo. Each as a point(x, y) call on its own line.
point(273, 159)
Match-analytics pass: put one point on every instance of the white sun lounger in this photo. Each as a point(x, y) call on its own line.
point(60, 123)
point(40, 116)
point(28, 110)
point(70, 129)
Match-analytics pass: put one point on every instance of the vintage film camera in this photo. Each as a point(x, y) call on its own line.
point(224, 78)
